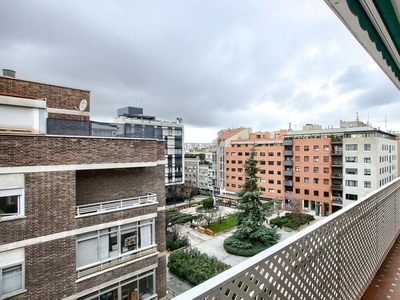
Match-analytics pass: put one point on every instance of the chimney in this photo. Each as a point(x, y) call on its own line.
point(8, 73)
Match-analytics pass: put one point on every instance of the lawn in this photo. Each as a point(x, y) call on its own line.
point(224, 224)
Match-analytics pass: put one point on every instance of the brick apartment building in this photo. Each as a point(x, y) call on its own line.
point(323, 168)
point(82, 217)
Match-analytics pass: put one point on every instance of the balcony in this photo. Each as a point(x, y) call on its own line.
point(337, 175)
point(288, 152)
point(114, 205)
point(337, 187)
point(337, 152)
point(288, 173)
point(337, 164)
point(337, 140)
point(321, 261)
point(288, 183)
point(287, 142)
point(288, 163)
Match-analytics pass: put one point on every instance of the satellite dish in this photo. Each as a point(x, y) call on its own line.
point(82, 105)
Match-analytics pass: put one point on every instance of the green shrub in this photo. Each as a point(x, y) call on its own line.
point(194, 266)
point(238, 247)
point(208, 203)
point(224, 224)
point(173, 244)
point(292, 220)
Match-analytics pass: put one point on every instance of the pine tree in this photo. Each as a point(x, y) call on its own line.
point(251, 236)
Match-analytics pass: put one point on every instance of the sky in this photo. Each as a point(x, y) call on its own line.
point(215, 64)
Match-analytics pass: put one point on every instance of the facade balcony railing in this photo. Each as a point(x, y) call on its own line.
point(288, 183)
point(287, 142)
point(288, 173)
point(337, 140)
point(337, 164)
point(114, 205)
point(288, 152)
point(288, 163)
point(337, 152)
point(337, 187)
point(320, 262)
point(337, 175)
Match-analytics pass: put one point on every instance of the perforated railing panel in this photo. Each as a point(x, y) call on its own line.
point(336, 258)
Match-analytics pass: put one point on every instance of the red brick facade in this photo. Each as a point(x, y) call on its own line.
point(57, 96)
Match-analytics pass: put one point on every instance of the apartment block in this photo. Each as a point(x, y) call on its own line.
point(197, 170)
point(82, 216)
point(218, 154)
point(324, 168)
point(269, 153)
point(140, 125)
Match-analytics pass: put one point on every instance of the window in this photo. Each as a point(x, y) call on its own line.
point(247, 154)
point(262, 180)
point(234, 154)
point(297, 179)
point(270, 153)
point(367, 160)
point(262, 171)
point(297, 148)
point(271, 190)
point(297, 168)
point(279, 182)
point(316, 148)
point(233, 177)
point(367, 172)
point(270, 181)
point(351, 183)
point(279, 172)
point(297, 191)
point(326, 158)
point(351, 197)
point(326, 170)
point(306, 158)
point(270, 163)
point(262, 162)
point(306, 148)
point(233, 185)
point(306, 169)
point(136, 287)
point(306, 179)
point(297, 158)
point(12, 272)
point(326, 194)
point(262, 153)
point(240, 170)
point(102, 245)
point(351, 171)
point(316, 180)
point(316, 170)
point(278, 154)
point(367, 184)
point(279, 163)
point(367, 147)
point(239, 154)
point(351, 159)
point(326, 148)
point(262, 189)
point(316, 193)
point(240, 178)
point(306, 192)
point(233, 169)
point(316, 158)
point(234, 161)
point(351, 147)
point(240, 162)
point(12, 203)
point(270, 172)
point(326, 181)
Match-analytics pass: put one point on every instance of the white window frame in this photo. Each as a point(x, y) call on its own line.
point(20, 192)
point(101, 240)
point(10, 259)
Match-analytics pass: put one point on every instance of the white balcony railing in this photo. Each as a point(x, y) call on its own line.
point(113, 205)
point(336, 258)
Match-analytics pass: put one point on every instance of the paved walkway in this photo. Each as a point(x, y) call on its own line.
point(212, 245)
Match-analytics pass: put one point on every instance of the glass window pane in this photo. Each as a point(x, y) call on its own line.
point(11, 279)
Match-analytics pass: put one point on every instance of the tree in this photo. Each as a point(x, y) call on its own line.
point(251, 236)
point(278, 207)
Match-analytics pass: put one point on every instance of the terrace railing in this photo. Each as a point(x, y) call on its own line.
point(113, 205)
point(335, 259)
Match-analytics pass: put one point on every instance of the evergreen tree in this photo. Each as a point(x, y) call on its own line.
point(251, 236)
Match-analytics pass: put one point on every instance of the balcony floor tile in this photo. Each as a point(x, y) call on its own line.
point(386, 283)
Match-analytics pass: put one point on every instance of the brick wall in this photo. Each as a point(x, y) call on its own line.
point(161, 277)
point(57, 96)
point(31, 150)
point(49, 207)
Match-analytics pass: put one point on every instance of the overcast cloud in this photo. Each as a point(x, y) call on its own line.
point(216, 64)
